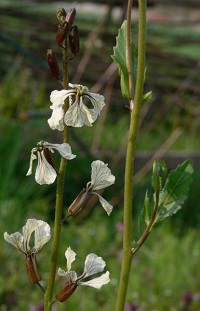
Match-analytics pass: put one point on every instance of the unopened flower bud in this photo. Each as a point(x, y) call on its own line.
point(53, 64)
point(61, 16)
point(79, 203)
point(70, 16)
point(61, 34)
point(74, 40)
point(32, 269)
point(66, 291)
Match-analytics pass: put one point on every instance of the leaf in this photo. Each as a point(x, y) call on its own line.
point(119, 58)
point(175, 190)
point(159, 174)
point(147, 97)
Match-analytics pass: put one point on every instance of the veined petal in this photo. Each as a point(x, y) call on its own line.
point(32, 158)
point(27, 230)
point(101, 176)
point(97, 101)
point(93, 265)
point(64, 150)
point(105, 204)
point(56, 120)
point(58, 97)
point(78, 114)
point(16, 239)
point(70, 256)
point(42, 235)
point(45, 173)
point(97, 282)
point(69, 275)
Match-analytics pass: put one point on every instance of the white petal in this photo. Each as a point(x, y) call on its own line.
point(16, 239)
point(32, 158)
point(45, 173)
point(101, 176)
point(58, 97)
point(105, 204)
point(27, 231)
point(78, 114)
point(70, 256)
point(97, 282)
point(56, 120)
point(93, 265)
point(69, 275)
point(64, 150)
point(42, 235)
point(97, 101)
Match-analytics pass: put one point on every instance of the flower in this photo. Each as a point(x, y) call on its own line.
point(45, 171)
point(21, 241)
point(78, 113)
point(93, 265)
point(101, 178)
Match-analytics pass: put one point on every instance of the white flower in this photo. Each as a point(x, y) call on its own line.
point(101, 178)
point(21, 241)
point(45, 171)
point(78, 113)
point(93, 265)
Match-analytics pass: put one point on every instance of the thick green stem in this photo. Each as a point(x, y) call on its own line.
point(59, 199)
point(130, 155)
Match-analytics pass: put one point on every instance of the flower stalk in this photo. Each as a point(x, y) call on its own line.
point(59, 194)
point(131, 147)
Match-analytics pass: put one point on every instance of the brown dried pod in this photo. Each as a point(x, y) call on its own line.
point(66, 291)
point(53, 64)
point(32, 269)
point(74, 40)
point(70, 17)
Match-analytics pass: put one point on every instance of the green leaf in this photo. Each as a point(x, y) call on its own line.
point(146, 98)
point(119, 58)
point(175, 190)
point(159, 174)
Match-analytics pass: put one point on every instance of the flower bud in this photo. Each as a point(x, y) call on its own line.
point(32, 269)
point(70, 16)
point(78, 204)
point(61, 34)
point(53, 64)
point(66, 291)
point(61, 16)
point(74, 40)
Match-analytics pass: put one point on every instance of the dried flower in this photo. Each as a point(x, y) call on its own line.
point(93, 265)
point(21, 241)
point(78, 113)
point(101, 178)
point(45, 171)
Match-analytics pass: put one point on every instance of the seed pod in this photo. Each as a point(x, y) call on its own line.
point(74, 40)
point(79, 203)
point(66, 291)
point(61, 34)
point(70, 17)
point(32, 269)
point(53, 64)
point(61, 16)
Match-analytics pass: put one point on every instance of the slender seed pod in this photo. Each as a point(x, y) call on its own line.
point(74, 40)
point(53, 64)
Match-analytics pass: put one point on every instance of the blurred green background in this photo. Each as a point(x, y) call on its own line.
point(165, 273)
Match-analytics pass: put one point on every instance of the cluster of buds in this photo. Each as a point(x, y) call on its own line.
point(66, 30)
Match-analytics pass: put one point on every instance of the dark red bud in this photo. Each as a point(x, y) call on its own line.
point(70, 16)
point(74, 40)
point(66, 291)
point(61, 34)
point(32, 269)
point(61, 16)
point(53, 64)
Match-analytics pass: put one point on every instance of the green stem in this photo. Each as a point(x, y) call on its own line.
point(130, 155)
point(59, 199)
